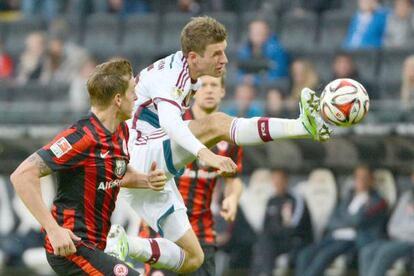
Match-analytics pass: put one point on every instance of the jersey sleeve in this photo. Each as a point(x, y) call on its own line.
point(67, 150)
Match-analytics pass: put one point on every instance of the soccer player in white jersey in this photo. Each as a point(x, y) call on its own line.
point(158, 133)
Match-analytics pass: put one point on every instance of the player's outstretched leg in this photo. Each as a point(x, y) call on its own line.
point(258, 130)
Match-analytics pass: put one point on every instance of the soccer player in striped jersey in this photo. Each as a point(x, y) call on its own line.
point(90, 159)
point(158, 132)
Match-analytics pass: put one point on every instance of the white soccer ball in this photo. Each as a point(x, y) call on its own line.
point(344, 102)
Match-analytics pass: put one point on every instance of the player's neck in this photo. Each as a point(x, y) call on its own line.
point(107, 117)
point(200, 113)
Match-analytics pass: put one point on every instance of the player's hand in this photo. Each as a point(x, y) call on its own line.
point(62, 241)
point(229, 208)
point(224, 165)
point(156, 178)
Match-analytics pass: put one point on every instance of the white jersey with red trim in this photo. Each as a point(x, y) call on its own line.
point(167, 79)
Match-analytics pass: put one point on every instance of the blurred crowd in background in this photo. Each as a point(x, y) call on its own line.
point(294, 216)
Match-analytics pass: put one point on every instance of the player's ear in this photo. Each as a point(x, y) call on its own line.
point(117, 99)
point(192, 55)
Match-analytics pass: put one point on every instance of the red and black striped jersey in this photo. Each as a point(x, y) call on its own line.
point(196, 186)
point(89, 162)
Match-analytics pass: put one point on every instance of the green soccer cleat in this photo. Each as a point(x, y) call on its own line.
point(117, 242)
point(310, 117)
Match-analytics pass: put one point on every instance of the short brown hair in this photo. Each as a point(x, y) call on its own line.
point(200, 32)
point(107, 80)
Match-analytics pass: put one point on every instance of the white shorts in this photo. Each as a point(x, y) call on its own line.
point(154, 207)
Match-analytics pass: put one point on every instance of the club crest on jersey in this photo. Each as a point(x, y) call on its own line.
point(120, 167)
point(60, 147)
point(176, 92)
point(121, 270)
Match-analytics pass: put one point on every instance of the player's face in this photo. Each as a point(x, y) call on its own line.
point(209, 96)
point(213, 62)
point(127, 104)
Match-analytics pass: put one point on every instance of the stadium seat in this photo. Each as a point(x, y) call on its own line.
point(298, 31)
point(389, 90)
point(140, 33)
point(231, 22)
point(385, 185)
point(334, 25)
point(173, 23)
point(322, 60)
point(254, 157)
point(6, 212)
point(248, 17)
point(17, 32)
point(349, 5)
point(35, 259)
point(321, 196)
point(284, 153)
point(367, 63)
point(391, 64)
point(102, 33)
point(372, 151)
point(340, 153)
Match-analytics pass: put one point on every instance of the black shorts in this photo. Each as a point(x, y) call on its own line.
point(208, 268)
point(89, 260)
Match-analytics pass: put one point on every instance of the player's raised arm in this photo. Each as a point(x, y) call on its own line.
point(26, 181)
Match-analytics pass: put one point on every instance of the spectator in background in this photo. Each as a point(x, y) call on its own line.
point(399, 30)
point(63, 60)
point(275, 104)
point(244, 104)
point(376, 258)
point(261, 46)
point(303, 74)
point(78, 94)
point(47, 9)
point(32, 59)
point(126, 7)
point(287, 226)
point(344, 66)
point(357, 221)
point(407, 87)
point(367, 26)
point(188, 6)
point(6, 64)
point(249, 223)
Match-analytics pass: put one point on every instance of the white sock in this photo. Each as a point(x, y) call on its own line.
point(159, 253)
point(258, 130)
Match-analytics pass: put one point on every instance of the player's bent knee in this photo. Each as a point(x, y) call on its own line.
point(194, 262)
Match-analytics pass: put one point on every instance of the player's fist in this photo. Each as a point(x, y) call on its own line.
point(229, 208)
point(224, 165)
point(62, 241)
point(156, 178)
